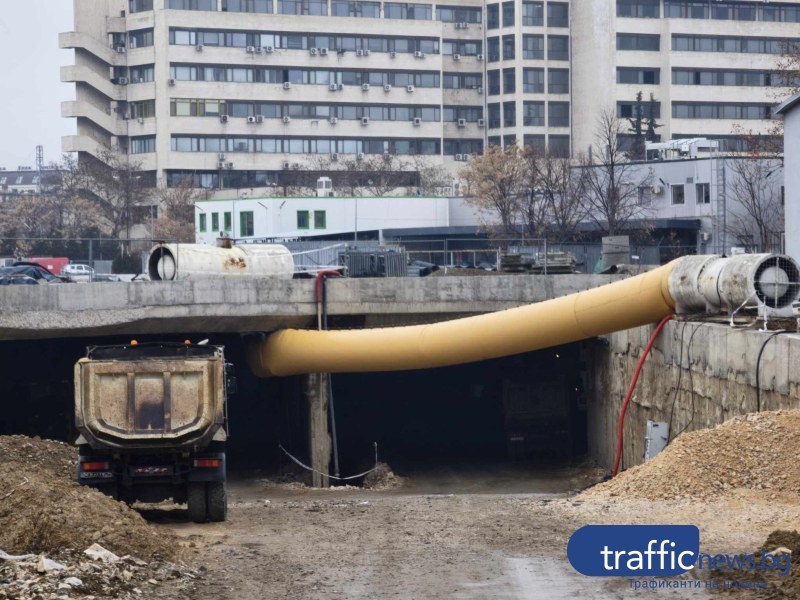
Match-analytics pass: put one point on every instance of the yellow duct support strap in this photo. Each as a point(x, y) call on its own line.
point(620, 305)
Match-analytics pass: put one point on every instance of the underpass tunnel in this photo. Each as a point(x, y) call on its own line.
point(529, 407)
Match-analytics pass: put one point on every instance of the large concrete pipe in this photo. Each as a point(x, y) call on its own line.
point(196, 261)
point(624, 304)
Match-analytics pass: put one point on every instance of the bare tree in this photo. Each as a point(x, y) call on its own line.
point(559, 186)
point(176, 212)
point(495, 180)
point(756, 218)
point(611, 183)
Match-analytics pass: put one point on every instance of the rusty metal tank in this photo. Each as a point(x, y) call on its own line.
point(169, 262)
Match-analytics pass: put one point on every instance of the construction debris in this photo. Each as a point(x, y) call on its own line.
point(756, 451)
point(382, 478)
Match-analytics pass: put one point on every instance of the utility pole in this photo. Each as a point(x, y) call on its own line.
point(39, 166)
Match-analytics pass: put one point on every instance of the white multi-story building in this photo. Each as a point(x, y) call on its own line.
point(253, 93)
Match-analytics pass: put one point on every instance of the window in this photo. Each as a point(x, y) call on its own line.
point(509, 81)
point(643, 9)
point(458, 14)
point(141, 74)
point(493, 16)
point(509, 114)
point(192, 4)
point(302, 219)
point(320, 221)
point(142, 38)
point(557, 47)
point(493, 78)
point(508, 14)
point(642, 42)
point(135, 6)
point(557, 14)
point(558, 145)
point(303, 7)
point(533, 81)
point(417, 12)
point(202, 223)
point(686, 9)
point(533, 14)
point(246, 224)
point(677, 194)
point(226, 221)
point(493, 49)
point(215, 222)
point(535, 143)
point(558, 81)
point(727, 77)
point(558, 114)
point(143, 144)
point(713, 43)
point(703, 191)
point(627, 110)
point(145, 109)
point(494, 115)
point(638, 76)
point(533, 47)
point(508, 47)
point(721, 110)
point(349, 8)
point(247, 6)
point(533, 115)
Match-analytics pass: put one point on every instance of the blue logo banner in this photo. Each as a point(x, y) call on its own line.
point(634, 550)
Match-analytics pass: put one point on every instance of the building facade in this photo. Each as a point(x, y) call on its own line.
point(253, 93)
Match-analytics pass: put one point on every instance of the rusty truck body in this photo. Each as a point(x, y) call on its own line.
point(153, 423)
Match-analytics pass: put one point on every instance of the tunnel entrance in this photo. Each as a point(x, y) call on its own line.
point(526, 409)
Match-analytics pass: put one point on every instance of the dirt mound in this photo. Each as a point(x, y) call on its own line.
point(756, 451)
point(382, 478)
point(42, 509)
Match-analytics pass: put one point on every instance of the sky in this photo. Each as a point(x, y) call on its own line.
point(30, 88)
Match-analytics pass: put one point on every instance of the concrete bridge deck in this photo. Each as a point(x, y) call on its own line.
point(225, 305)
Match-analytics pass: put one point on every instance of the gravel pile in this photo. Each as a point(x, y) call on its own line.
point(757, 451)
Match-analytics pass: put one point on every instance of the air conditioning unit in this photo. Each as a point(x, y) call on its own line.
point(259, 50)
point(417, 121)
point(141, 120)
point(657, 190)
point(366, 52)
point(479, 57)
point(359, 53)
point(323, 51)
point(287, 85)
point(335, 156)
point(340, 86)
point(392, 54)
point(458, 25)
point(387, 155)
point(199, 48)
point(251, 119)
point(409, 88)
point(333, 120)
point(269, 49)
point(460, 157)
point(120, 49)
point(705, 236)
point(296, 165)
point(229, 165)
point(140, 80)
point(364, 87)
point(287, 119)
point(462, 122)
point(456, 57)
point(223, 118)
point(286, 164)
point(333, 87)
point(387, 87)
point(220, 165)
point(419, 54)
point(481, 123)
point(170, 82)
point(221, 156)
point(365, 120)
point(312, 51)
point(464, 25)
point(259, 118)
point(479, 90)
point(251, 49)
point(122, 80)
point(360, 156)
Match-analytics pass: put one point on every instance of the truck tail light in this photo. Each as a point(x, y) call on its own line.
point(94, 466)
point(209, 463)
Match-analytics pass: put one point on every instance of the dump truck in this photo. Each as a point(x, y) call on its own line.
point(152, 419)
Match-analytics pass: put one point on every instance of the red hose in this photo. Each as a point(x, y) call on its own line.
point(642, 358)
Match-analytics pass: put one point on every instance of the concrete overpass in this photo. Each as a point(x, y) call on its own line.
point(229, 305)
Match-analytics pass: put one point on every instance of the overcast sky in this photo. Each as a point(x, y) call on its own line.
point(30, 87)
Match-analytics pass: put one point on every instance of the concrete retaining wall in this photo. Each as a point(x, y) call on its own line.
point(711, 364)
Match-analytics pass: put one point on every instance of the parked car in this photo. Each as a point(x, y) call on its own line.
point(78, 272)
point(25, 273)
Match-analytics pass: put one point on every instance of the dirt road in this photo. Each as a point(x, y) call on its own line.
point(441, 536)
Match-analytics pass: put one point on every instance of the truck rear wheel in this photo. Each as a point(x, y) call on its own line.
point(196, 501)
point(217, 501)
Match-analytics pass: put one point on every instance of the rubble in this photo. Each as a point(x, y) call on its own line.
point(756, 451)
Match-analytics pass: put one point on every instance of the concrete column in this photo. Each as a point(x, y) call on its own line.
point(319, 439)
